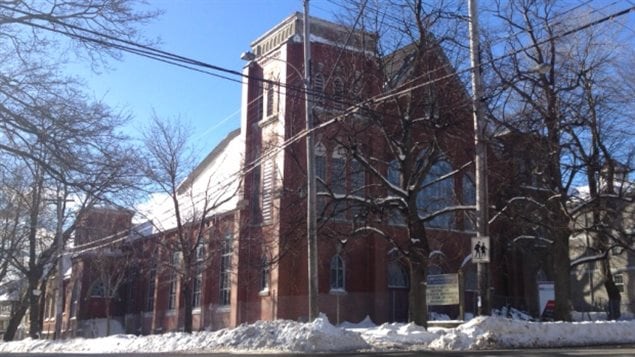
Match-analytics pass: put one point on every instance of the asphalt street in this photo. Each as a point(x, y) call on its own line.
point(578, 351)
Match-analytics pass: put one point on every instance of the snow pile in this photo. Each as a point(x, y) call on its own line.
point(320, 336)
point(396, 335)
point(497, 332)
point(262, 336)
point(290, 336)
point(513, 334)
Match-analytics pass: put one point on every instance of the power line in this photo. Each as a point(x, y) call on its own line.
point(382, 97)
point(317, 97)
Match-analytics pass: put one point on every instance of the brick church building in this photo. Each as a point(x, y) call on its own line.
point(253, 263)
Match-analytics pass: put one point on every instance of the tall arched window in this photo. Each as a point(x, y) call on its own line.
point(226, 267)
point(358, 183)
point(75, 298)
point(469, 198)
point(98, 289)
point(265, 275)
point(436, 196)
point(320, 175)
point(150, 286)
point(338, 93)
point(273, 95)
point(337, 280)
point(397, 276)
point(318, 89)
point(197, 282)
point(270, 98)
point(338, 181)
point(393, 175)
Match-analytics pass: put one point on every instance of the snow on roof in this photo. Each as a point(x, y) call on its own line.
point(213, 184)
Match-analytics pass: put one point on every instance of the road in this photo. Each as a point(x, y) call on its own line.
point(581, 351)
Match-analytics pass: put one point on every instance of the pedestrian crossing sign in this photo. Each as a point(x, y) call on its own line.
point(480, 250)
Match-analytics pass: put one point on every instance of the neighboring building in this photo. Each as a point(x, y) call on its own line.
point(9, 298)
point(612, 240)
point(94, 282)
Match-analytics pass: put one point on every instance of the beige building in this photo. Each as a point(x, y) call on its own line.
point(612, 239)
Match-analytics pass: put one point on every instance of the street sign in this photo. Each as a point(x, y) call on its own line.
point(480, 249)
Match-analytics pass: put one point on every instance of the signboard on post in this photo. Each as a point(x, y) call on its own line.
point(443, 289)
point(480, 249)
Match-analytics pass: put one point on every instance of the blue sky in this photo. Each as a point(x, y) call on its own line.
point(215, 32)
point(212, 31)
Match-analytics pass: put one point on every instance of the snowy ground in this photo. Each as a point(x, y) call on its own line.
point(321, 336)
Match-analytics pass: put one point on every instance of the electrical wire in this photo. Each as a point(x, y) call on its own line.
point(383, 97)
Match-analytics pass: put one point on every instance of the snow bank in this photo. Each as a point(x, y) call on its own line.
point(497, 332)
point(262, 336)
point(320, 336)
point(291, 336)
point(397, 335)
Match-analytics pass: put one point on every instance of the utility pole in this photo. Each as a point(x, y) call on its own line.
point(311, 224)
point(60, 266)
point(482, 215)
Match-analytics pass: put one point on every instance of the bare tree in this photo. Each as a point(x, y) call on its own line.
point(61, 136)
point(407, 149)
point(92, 164)
point(553, 85)
point(194, 197)
point(110, 268)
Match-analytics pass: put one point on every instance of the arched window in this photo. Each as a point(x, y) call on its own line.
point(272, 94)
point(98, 289)
point(338, 181)
point(358, 183)
point(260, 102)
point(394, 177)
point(320, 176)
point(270, 98)
point(175, 264)
point(435, 270)
point(226, 267)
point(357, 86)
point(75, 298)
point(197, 282)
point(150, 286)
point(265, 276)
point(318, 89)
point(397, 276)
point(394, 174)
point(436, 196)
point(469, 198)
point(338, 93)
point(337, 280)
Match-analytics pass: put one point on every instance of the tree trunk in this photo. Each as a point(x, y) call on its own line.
point(35, 304)
point(418, 262)
point(108, 316)
point(615, 298)
point(34, 273)
point(187, 304)
point(16, 319)
point(418, 307)
point(562, 275)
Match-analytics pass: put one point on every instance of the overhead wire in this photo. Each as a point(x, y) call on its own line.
point(374, 100)
point(622, 24)
point(383, 97)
